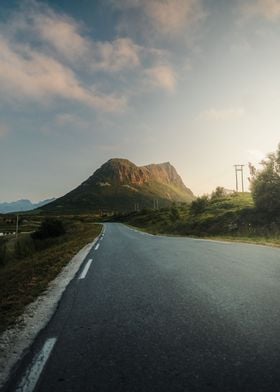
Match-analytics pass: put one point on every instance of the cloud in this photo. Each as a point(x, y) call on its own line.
point(172, 16)
point(37, 23)
point(63, 34)
point(119, 54)
point(168, 16)
point(25, 73)
point(222, 114)
point(69, 41)
point(162, 76)
point(45, 56)
point(268, 9)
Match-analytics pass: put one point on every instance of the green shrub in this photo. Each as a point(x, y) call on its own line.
point(174, 214)
point(219, 193)
point(3, 252)
point(49, 228)
point(265, 185)
point(199, 205)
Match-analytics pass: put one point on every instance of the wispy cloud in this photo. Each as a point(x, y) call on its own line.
point(269, 9)
point(117, 55)
point(27, 73)
point(162, 76)
point(222, 114)
point(67, 38)
point(63, 34)
point(172, 16)
point(165, 17)
point(46, 56)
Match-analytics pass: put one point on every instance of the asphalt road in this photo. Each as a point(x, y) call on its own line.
point(155, 314)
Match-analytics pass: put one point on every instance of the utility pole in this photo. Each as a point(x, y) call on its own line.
point(239, 169)
point(17, 227)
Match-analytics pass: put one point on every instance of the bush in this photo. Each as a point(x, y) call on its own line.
point(199, 205)
point(49, 228)
point(265, 185)
point(174, 214)
point(3, 252)
point(219, 193)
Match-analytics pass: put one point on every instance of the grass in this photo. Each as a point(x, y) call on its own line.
point(24, 277)
point(266, 241)
point(249, 240)
point(231, 217)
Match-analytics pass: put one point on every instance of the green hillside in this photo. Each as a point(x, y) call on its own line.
point(232, 216)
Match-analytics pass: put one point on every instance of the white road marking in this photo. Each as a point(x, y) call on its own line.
point(85, 270)
point(208, 240)
point(139, 231)
point(142, 232)
point(32, 374)
point(97, 246)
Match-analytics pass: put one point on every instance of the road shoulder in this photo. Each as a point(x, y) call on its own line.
point(15, 341)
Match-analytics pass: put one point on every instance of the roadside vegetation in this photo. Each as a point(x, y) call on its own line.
point(28, 263)
point(250, 217)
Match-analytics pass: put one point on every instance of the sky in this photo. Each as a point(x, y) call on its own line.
point(192, 82)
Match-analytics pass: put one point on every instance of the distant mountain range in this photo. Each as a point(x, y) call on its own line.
point(120, 185)
point(21, 205)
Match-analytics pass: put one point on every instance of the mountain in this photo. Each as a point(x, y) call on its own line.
point(21, 205)
point(120, 185)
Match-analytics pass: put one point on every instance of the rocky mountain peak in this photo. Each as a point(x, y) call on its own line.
point(118, 171)
point(119, 185)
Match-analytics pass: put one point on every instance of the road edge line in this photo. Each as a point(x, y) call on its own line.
point(15, 341)
point(30, 378)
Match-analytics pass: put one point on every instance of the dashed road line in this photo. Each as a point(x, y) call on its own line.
point(85, 270)
point(97, 246)
point(33, 372)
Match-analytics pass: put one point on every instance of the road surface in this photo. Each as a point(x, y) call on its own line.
point(153, 314)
